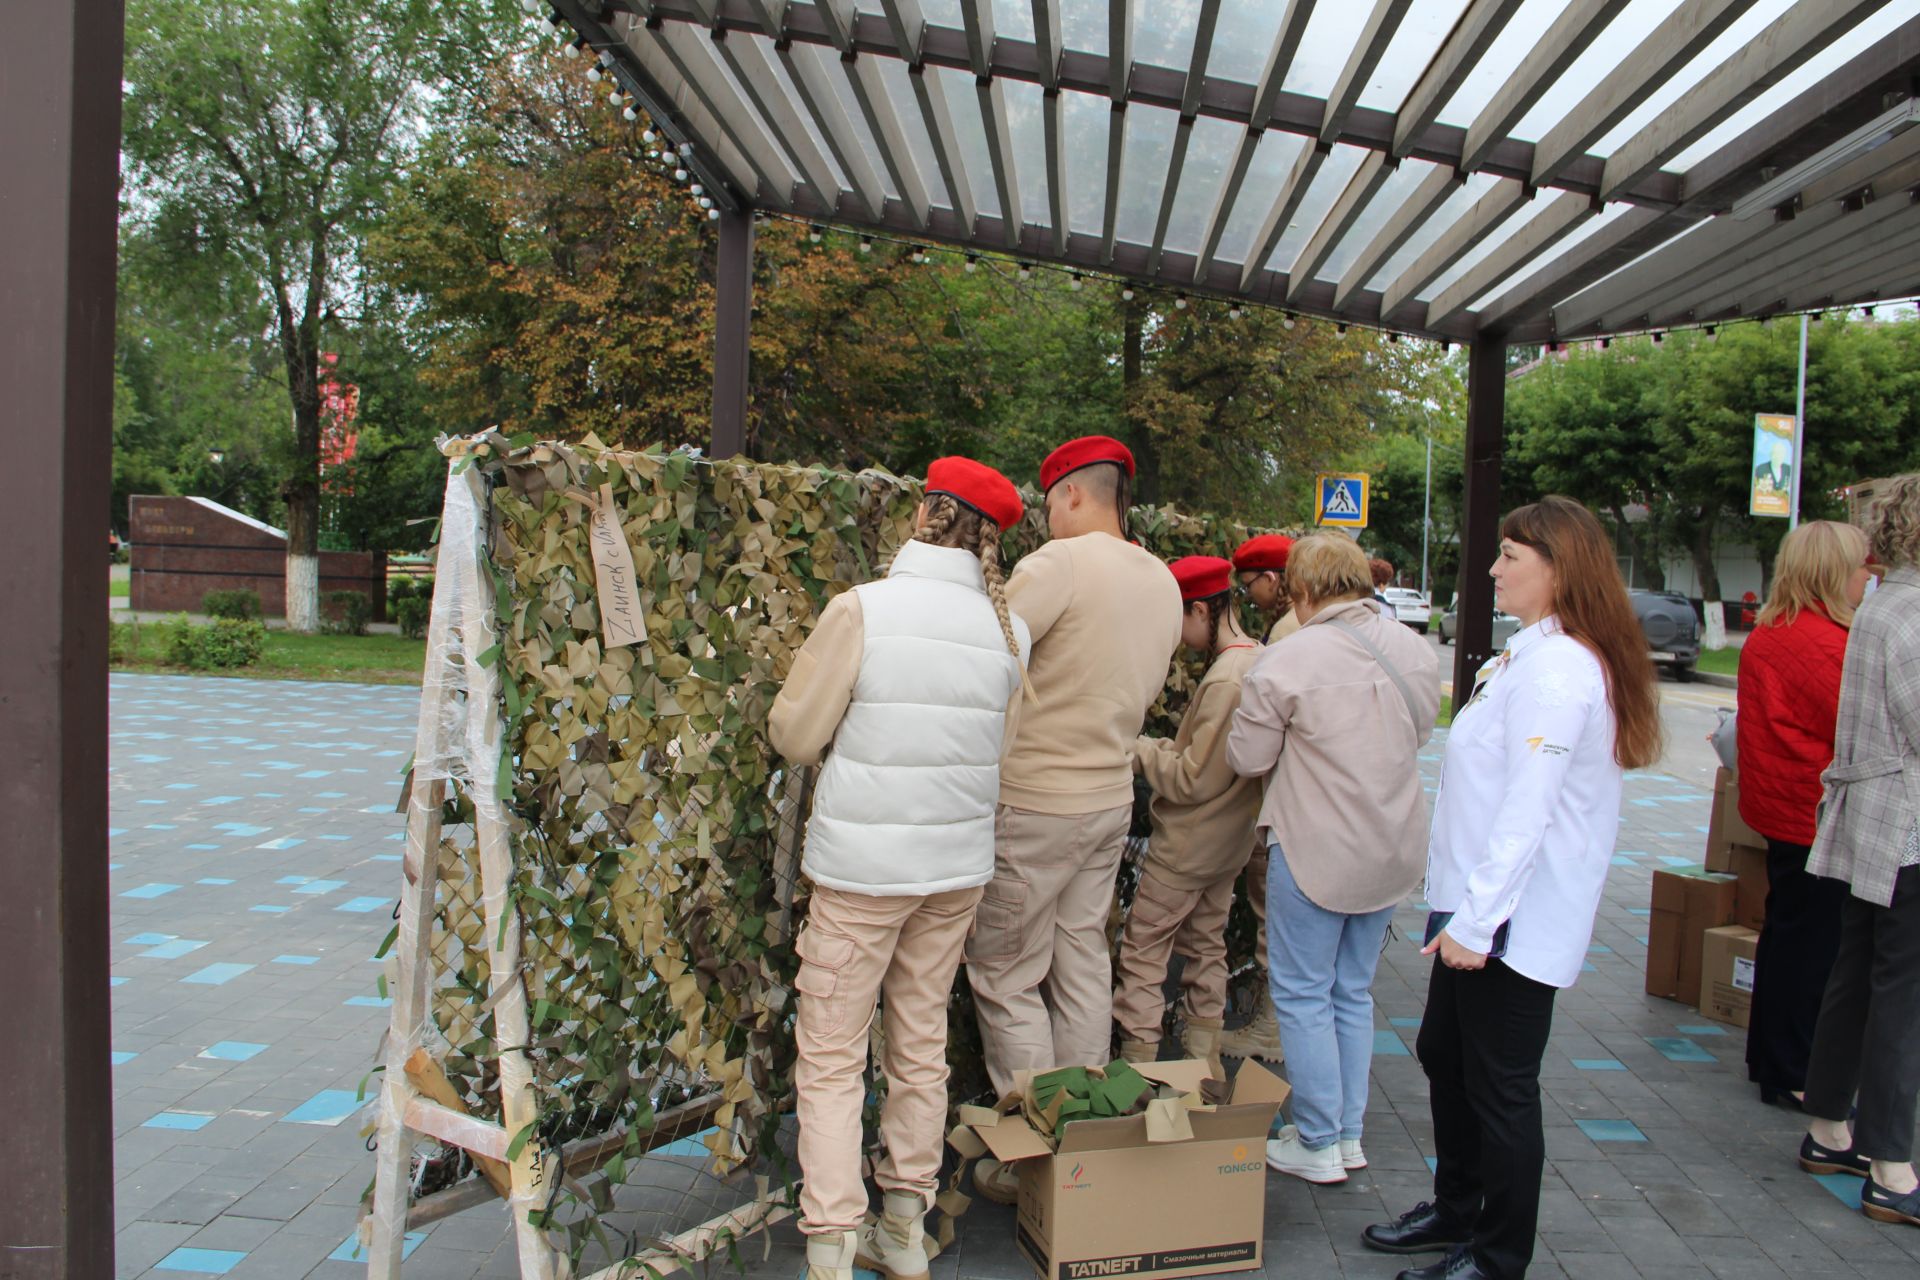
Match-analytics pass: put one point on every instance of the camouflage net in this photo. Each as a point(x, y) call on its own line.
point(655, 834)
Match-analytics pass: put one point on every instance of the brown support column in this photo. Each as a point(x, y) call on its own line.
point(1480, 537)
point(60, 152)
point(733, 318)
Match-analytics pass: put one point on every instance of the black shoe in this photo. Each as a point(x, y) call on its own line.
point(1883, 1205)
point(1780, 1098)
point(1420, 1229)
point(1458, 1265)
point(1815, 1158)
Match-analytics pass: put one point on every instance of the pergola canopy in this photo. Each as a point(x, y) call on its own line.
point(1534, 169)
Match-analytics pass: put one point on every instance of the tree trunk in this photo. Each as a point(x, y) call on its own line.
point(1709, 574)
point(302, 489)
point(1646, 551)
point(1146, 458)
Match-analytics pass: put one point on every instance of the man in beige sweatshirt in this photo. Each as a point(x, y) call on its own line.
point(1105, 619)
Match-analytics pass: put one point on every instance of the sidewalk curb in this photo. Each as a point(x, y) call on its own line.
point(1716, 679)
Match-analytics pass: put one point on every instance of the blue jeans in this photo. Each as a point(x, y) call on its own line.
point(1320, 970)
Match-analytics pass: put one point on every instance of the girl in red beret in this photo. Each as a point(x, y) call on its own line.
point(1203, 816)
point(908, 687)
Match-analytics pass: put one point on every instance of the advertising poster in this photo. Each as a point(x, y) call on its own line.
point(1773, 464)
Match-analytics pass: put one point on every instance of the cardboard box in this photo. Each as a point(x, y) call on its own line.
point(1727, 831)
point(1749, 869)
point(1177, 1192)
point(1687, 901)
point(1726, 974)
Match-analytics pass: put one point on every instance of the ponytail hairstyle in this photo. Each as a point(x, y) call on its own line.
point(1591, 602)
point(1217, 607)
point(951, 523)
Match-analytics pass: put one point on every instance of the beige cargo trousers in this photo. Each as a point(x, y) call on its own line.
point(1039, 960)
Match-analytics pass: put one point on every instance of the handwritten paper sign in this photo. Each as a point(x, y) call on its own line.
point(620, 617)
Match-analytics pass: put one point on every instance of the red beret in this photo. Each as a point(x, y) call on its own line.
point(1084, 452)
point(1201, 576)
point(1266, 552)
point(977, 485)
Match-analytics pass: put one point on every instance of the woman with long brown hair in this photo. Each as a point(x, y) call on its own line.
point(1523, 833)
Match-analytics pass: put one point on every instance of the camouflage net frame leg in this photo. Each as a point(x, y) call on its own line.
point(592, 967)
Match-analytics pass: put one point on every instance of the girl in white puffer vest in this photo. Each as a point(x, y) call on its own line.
point(909, 686)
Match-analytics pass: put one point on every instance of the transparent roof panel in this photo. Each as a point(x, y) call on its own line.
point(1086, 125)
point(1423, 30)
point(906, 105)
point(1014, 19)
point(1210, 154)
point(1501, 60)
point(1258, 193)
point(829, 64)
point(1336, 171)
point(731, 100)
point(963, 104)
point(1331, 34)
point(1243, 38)
point(1567, 246)
point(1393, 193)
point(1028, 131)
point(1504, 231)
point(1163, 32)
point(782, 87)
point(1436, 226)
point(1143, 172)
point(1636, 19)
point(1735, 38)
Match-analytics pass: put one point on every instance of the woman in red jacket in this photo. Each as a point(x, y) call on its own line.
point(1789, 695)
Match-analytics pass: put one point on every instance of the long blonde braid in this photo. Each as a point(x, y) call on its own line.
point(951, 525)
point(988, 549)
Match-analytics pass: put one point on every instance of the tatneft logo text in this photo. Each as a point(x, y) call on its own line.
point(1104, 1267)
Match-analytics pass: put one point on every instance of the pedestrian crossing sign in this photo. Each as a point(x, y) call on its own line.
point(1342, 501)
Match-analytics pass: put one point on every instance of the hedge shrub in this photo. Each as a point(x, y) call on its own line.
point(214, 646)
point(242, 604)
point(345, 613)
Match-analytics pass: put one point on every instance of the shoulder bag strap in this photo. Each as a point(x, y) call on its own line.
point(1386, 665)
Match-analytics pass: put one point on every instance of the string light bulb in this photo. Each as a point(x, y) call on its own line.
point(1287, 321)
point(680, 175)
point(1179, 302)
point(1340, 331)
point(814, 234)
point(1126, 294)
point(973, 262)
point(1658, 337)
point(1234, 313)
point(630, 114)
point(866, 244)
point(713, 215)
point(649, 137)
point(697, 189)
point(573, 48)
point(531, 6)
point(686, 148)
point(1074, 282)
point(706, 202)
point(593, 74)
point(1026, 272)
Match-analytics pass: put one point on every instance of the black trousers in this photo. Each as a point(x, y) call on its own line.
point(1791, 965)
point(1868, 1038)
point(1481, 1042)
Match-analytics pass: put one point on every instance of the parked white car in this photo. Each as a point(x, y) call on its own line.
point(1409, 606)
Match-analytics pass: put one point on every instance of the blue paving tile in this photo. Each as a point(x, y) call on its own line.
point(1388, 1044)
point(116, 982)
point(283, 842)
point(388, 857)
point(321, 886)
point(1639, 911)
point(1404, 1022)
point(368, 1002)
point(161, 826)
point(1678, 860)
point(1599, 1064)
point(1600, 950)
point(1433, 1164)
point(220, 799)
point(183, 786)
point(149, 939)
point(335, 836)
point(232, 1051)
point(119, 1056)
point(1611, 1130)
point(1702, 1029)
point(172, 950)
point(364, 905)
point(1680, 1049)
point(267, 908)
point(217, 975)
point(115, 831)
point(296, 959)
point(185, 1120)
point(294, 880)
point(203, 848)
point(1844, 1186)
point(328, 1107)
point(216, 881)
point(150, 891)
point(350, 1249)
point(205, 1262)
point(696, 1145)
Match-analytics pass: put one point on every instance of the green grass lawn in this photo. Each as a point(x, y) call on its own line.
point(1724, 662)
point(378, 659)
point(117, 587)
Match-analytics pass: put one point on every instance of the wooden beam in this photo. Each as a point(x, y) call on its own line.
point(838, 15)
point(1116, 161)
point(1480, 520)
point(1469, 40)
point(1006, 177)
point(1488, 212)
point(687, 50)
point(1054, 111)
point(772, 15)
point(1223, 201)
point(1170, 190)
point(431, 1083)
point(484, 1139)
point(674, 108)
point(732, 334)
point(1545, 63)
point(1786, 44)
point(1274, 229)
point(876, 104)
point(946, 142)
point(1562, 216)
point(1670, 46)
point(755, 75)
point(1203, 29)
point(1354, 198)
point(1881, 271)
point(1382, 25)
point(815, 87)
point(1286, 42)
point(908, 24)
point(1046, 42)
point(1434, 190)
point(977, 19)
point(1549, 284)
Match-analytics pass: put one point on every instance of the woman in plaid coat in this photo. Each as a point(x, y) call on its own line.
point(1867, 1041)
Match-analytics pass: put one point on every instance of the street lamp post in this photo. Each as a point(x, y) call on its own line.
point(1426, 522)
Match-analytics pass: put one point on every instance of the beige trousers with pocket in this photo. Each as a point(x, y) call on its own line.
point(854, 947)
point(1164, 920)
point(1039, 961)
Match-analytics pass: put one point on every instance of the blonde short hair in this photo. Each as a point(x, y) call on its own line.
point(1325, 567)
point(1893, 522)
point(1815, 562)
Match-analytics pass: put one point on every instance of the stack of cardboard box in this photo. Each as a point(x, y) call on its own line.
point(1706, 919)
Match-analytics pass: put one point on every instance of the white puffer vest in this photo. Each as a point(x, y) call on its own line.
point(904, 803)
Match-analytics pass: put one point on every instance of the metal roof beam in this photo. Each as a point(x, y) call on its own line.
point(811, 82)
point(977, 17)
point(1381, 27)
point(1549, 58)
point(1434, 190)
point(1488, 212)
point(1203, 29)
point(1562, 216)
point(772, 15)
point(1055, 113)
point(909, 26)
point(1267, 239)
point(1469, 40)
point(1223, 201)
point(946, 142)
point(755, 75)
point(1358, 193)
point(1046, 42)
point(1170, 189)
point(1116, 160)
point(1687, 31)
point(1867, 279)
point(1119, 48)
point(680, 47)
point(1787, 43)
point(839, 16)
point(1006, 179)
point(1286, 42)
point(1548, 283)
point(870, 91)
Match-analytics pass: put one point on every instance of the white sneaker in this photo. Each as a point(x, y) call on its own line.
point(1351, 1156)
point(1286, 1155)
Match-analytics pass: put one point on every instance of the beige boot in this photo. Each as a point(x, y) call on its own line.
point(896, 1244)
point(1202, 1041)
point(998, 1182)
point(1139, 1050)
point(1258, 1039)
point(830, 1256)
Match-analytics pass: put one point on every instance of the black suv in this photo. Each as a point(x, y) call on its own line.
point(1672, 630)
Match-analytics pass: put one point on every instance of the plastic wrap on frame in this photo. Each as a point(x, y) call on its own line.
point(460, 733)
